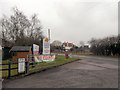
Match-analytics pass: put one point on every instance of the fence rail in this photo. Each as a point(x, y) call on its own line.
point(10, 68)
point(30, 65)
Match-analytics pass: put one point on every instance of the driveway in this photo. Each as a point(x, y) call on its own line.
point(89, 72)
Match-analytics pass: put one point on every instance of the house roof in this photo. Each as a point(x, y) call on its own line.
point(20, 48)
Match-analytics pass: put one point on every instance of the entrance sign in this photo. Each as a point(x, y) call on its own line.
point(21, 64)
point(35, 49)
point(42, 58)
point(46, 46)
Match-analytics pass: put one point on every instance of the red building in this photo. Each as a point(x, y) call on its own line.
point(20, 52)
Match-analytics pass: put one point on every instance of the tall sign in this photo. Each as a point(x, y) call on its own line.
point(46, 46)
point(35, 49)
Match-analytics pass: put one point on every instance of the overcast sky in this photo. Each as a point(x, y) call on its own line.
point(70, 20)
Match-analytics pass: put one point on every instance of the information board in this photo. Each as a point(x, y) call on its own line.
point(21, 64)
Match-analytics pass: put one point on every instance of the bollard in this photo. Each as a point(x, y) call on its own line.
point(66, 56)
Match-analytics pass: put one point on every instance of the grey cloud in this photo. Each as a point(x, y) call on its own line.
point(83, 21)
point(72, 21)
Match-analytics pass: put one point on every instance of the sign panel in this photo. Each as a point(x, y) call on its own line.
point(67, 47)
point(21, 64)
point(46, 46)
point(41, 58)
point(35, 49)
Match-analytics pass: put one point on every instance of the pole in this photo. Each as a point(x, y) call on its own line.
point(9, 71)
point(49, 34)
point(33, 64)
point(27, 64)
point(49, 37)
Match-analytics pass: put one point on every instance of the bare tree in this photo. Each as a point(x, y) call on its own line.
point(105, 46)
point(81, 44)
point(20, 30)
point(56, 43)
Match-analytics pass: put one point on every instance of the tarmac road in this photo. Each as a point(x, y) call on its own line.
point(90, 72)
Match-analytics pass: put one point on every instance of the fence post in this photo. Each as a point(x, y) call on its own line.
point(27, 64)
point(9, 71)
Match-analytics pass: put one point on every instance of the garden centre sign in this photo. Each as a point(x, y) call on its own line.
point(42, 58)
point(21, 64)
point(46, 46)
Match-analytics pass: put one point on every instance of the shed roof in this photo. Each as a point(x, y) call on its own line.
point(20, 48)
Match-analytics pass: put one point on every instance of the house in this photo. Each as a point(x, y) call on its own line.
point(86, 48)
point(20, 52)
point(67, 46)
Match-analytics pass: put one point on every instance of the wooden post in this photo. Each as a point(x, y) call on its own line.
point(27, 64)
point(9, 71)
point(49, 38)
point(56, 59)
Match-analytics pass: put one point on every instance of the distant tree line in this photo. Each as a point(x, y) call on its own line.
point(106, 46)
point(21, 31)
point(56, 46)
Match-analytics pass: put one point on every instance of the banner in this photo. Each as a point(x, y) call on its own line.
point(35, 49)
point(42, 58)
point(46, 46)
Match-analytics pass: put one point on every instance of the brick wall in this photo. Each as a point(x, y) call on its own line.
point(21, 55)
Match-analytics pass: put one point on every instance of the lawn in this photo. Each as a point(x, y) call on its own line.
point(58, 61)
point(39, 66)
point(74, 53)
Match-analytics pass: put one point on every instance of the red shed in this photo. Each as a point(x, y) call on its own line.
point(20, 52)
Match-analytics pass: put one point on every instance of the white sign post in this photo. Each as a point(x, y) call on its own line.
point(46, 46)
point(21, 64)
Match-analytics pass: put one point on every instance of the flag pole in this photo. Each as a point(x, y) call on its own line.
point(49, 37)
point(49, 34)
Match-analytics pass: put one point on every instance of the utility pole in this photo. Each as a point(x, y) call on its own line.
point(49, 37)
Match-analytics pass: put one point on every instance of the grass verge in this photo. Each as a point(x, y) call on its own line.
point(74, 53)
point(39, 66)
